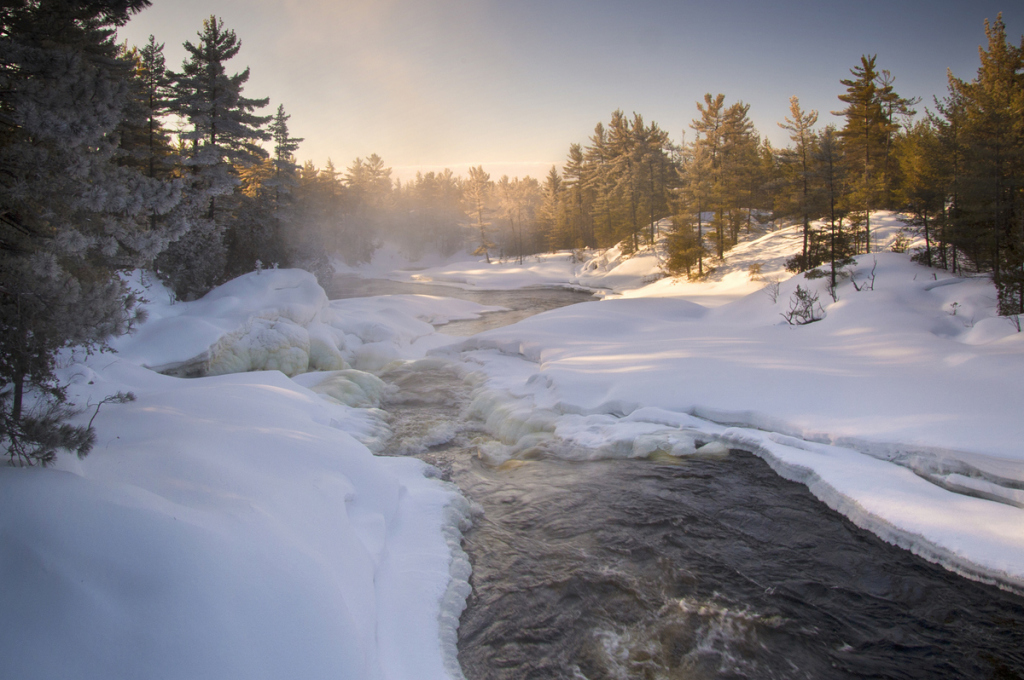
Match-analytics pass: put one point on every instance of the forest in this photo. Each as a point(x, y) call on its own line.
point(113, 160)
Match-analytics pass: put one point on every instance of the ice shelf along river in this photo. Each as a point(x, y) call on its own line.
point(705, 566)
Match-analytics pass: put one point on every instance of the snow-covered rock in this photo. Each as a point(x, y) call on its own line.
point(281, 320)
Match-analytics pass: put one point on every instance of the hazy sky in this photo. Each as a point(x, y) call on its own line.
point(509, 84)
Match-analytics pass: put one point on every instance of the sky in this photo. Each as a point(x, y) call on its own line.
point(510, 84)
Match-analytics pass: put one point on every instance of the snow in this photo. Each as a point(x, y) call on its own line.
point(282, 320)
point(899, 409)
point(238, 525)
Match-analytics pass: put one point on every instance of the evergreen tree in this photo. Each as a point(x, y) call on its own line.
point(656, 172)
point(518, 200)
point(695, 196)
point(836, 247)
point(145, 141)
point(600, 182)
point(894, 107)
point(800, 126)
point(739, 166)
point(863, 136)
point(477, 195)
point(224, 136)
point(285, 169)
point(922, 188)
point(708, 145)
point(579, 199)
point(316, 219)
point(71, 214)
point(552, 219)
point(950, 123)
point(990, 211)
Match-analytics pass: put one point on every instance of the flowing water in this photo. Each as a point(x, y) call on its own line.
point(706, 567)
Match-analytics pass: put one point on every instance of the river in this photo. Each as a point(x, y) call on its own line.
point(701, 567)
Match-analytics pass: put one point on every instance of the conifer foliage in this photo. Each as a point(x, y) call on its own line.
point(223, 137)
point(71, 213)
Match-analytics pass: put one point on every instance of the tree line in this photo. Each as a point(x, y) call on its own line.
point(110, 161)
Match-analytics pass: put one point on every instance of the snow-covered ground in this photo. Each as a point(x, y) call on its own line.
point(237, 525)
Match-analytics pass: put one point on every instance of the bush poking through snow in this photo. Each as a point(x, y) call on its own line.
point(869, 284)
point(772, 286)
point(803, 308)
point(901, 243)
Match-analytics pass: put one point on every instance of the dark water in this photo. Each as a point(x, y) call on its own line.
point(713, 567)
point(708, 569)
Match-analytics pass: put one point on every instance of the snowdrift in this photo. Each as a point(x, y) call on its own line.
point(238, 525)
point(282, 320)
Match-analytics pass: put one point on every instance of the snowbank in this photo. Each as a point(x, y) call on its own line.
point(282, 320)
point(238, 525)
point(226, 527)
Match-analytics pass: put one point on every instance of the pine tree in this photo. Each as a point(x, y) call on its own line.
point(894, 107)
point(656, 172)
point(224, 135)
point(316, 218)
point(863, 135)
point(837, 248)
point(145, 141)
point(695, 199)
point(579, 200)
point(950, 123)
point(708, 145)
point(518, 200)
point(686, 241)
point(285, 169)
point(71, 213)
point(477, 195)
point(553, 230)
point(922, 189)
point(800, 126)
point(990, 212)
point(369, 185)
point(600, 182)
point(739, 166)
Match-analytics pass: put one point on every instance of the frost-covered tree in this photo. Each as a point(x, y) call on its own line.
point(285, 177)
point(223, 136)
point(145, 140)
point(71, 214)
